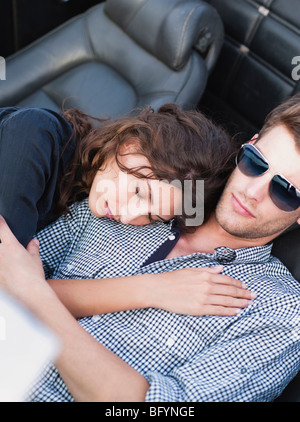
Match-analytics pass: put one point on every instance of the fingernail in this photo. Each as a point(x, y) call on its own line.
point(36, 241)
point(253, 295)
point(244, 286)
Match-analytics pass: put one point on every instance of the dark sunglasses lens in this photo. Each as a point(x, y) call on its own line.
point(250, 162)
point(284, 196)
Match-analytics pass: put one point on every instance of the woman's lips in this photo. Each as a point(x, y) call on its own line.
point(108, 211)
point(239, 208)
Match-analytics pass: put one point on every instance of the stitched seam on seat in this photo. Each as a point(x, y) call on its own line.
point(253, 29)
point(286, 24)
point(227, 83)
point(133, 16)
point(261, 61)
point(180, 48)
point(187, 80)
point(45, 91)
point(87, 36)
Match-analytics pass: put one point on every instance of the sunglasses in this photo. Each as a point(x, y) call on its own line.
point(283, 194)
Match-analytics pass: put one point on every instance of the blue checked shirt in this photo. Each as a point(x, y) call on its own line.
point(248, 357)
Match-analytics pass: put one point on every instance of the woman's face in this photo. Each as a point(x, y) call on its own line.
point(129, 199)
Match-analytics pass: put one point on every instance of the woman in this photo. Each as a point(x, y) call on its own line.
point(171, 144)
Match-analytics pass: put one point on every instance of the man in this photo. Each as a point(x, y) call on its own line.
point(153, 355)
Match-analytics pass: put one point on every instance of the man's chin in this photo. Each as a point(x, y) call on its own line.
point(243, 231)
point(236, 225)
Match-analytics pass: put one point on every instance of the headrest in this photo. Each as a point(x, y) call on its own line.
point(169, 29)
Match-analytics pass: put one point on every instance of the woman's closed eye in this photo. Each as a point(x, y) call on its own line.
point(147, 196)
point(140, 196)
point(138, 193)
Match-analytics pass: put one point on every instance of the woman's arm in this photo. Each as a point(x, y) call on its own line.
point(91, 372)
point(85, 297)
point(192, 291)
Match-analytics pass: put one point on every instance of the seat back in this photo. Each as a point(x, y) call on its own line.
point(119, 55)
point(287, 248)
point(258, 66)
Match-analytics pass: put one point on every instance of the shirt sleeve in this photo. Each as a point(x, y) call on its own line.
point(253, 361)
point(56, 239)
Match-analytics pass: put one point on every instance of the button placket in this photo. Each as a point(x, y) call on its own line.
point(223, 254)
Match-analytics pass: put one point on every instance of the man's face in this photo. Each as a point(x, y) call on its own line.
point(245, 209)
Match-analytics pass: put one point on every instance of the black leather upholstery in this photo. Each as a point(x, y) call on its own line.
point(254, 73)
point(119, 55)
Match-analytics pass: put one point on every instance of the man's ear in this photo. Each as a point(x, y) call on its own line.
point(253, 139)
point(298, 221)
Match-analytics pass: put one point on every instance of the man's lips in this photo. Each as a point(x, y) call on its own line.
point(239, 208)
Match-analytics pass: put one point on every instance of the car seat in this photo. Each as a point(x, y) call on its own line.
point(118, 55)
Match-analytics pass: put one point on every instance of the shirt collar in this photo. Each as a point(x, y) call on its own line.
point(224, 254)
point(249, 255)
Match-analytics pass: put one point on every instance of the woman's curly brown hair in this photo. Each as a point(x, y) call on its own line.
point(179, 145)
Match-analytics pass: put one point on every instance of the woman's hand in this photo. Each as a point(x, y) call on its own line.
point(21, 270)
point(199, 291)
point(83, 362)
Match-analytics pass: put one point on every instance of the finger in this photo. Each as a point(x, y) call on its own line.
point(230, 302)
point(33, 247)
point(213, 270)
point(233, 291)
point(6, 234)
point(222, 311)
point(220, 278)
point(227, 280)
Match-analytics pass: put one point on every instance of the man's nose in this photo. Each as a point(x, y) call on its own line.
point(257, 188)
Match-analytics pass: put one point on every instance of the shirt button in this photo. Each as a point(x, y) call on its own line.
point(172, 237)
point(170, 342)
point(96, 317)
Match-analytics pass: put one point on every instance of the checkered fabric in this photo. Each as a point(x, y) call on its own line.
point(248, 357)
